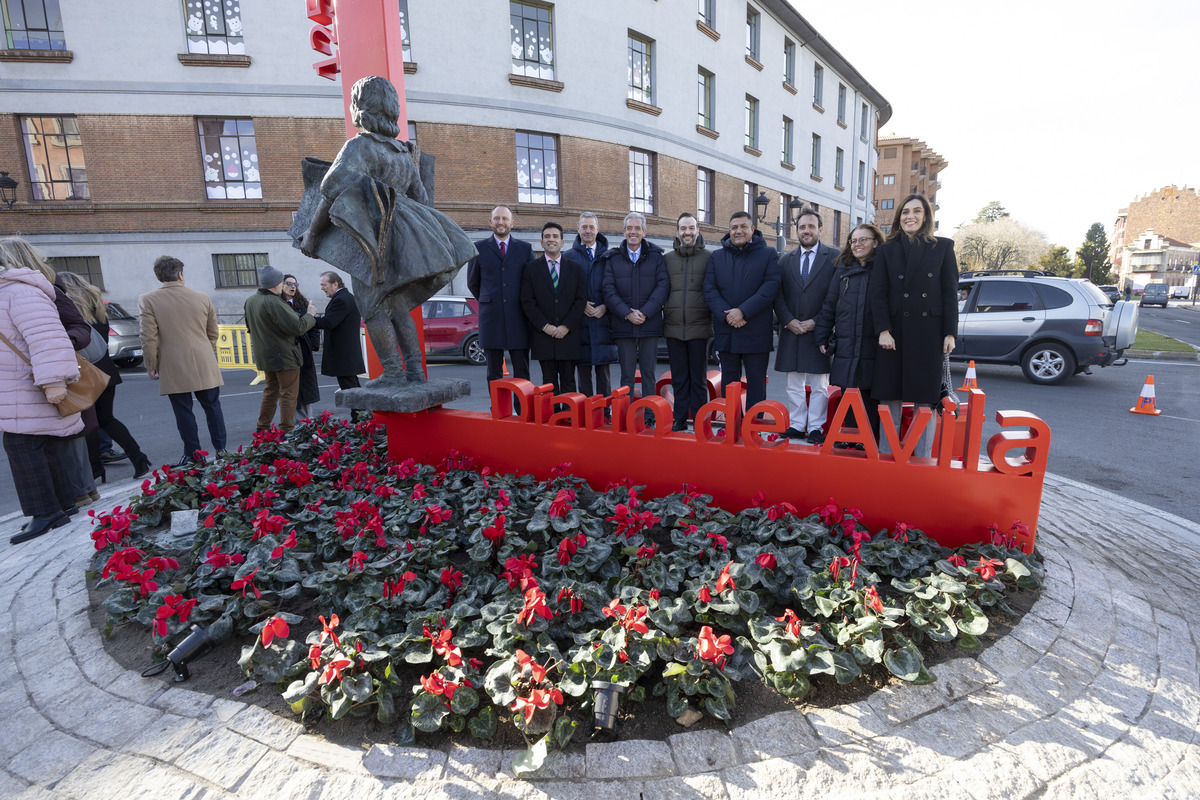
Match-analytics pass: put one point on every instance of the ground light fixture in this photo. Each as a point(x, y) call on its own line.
point(197, 643)
point(606, 701)
point(8, 190)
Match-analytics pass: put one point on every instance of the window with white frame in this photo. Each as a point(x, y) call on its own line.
point(641, 68)
point(862, 179)
point(532, 31)
point(405, 40)
point(818, 84)
point(237, 270)
point(789, 61)
point(32, 25)
point(704, 100)
point(704, 194)
point(230, 159)
point(54, 153)
point(842, 103)
point(886, 205)
point(753, 23)
point(707, 10)
point(816, 155)
point(641, 181)
point(787, 141)
point(749, 195)
point(889, 180)
point(537, 168)
point(214, 27)
point(412, 132)
point(751, 122)
point(864, 129)
point(838, 163)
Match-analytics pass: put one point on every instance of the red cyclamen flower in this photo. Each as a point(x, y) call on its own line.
point(276, 626)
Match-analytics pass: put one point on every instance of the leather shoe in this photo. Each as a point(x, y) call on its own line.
point(71, 511)
point(113, 456)
point(792, 433)
point(816, 437)
point(141, 465)
point(39, 525)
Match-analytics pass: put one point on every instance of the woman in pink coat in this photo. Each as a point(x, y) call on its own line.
point(35, 367)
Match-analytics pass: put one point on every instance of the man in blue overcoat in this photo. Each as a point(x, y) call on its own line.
point(494, 278)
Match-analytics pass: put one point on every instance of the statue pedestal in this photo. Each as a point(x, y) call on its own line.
point(404, 399)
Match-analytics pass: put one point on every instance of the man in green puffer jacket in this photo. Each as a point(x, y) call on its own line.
point(273, 327)
point(687, 321)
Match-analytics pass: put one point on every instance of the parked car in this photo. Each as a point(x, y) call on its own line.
point(1181, 292)
point(452, 327)
point(1052, 327)
point(1156, 294)
point(1113, 293)
point(124, 337)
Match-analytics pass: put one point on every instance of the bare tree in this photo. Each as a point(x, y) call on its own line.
point(1001, 244)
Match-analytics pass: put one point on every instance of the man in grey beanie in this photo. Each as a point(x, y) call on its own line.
point(273, 327)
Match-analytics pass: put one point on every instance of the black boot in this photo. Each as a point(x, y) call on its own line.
point(141, 465)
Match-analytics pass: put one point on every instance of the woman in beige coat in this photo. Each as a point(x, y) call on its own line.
point(179, 336)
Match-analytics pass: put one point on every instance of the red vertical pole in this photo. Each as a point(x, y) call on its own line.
point(370, 43)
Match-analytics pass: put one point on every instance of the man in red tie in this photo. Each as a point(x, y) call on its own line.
point(494, 278)
point(554, 295)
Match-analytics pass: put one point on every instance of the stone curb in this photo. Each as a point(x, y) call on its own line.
point(1093, 693)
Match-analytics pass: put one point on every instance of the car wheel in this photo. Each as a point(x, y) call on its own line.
point(474, 351)
point(127, 363)
point(1048, 363)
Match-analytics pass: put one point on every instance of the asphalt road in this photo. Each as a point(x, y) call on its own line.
point(1095, 439)
point(1179, 320)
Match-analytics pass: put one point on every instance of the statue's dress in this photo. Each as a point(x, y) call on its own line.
point(385, 236)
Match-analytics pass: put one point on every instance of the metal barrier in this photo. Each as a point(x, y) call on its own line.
point(234, 351)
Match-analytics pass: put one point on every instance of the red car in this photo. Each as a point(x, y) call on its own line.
point(452, 327)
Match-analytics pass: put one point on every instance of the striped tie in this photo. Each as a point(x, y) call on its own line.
point(554, 274)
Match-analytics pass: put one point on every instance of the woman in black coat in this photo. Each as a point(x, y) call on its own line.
point(310, 342)
point(844, 326)
point(914, 306)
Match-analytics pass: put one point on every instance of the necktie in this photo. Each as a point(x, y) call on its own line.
point(591, 254)
point(503, 248)
point(554, 274)
point(804, 269)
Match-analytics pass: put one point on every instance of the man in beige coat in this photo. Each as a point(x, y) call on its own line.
point(179, 337)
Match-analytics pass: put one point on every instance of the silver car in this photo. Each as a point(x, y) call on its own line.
point(1052, 327)
point(124, 337)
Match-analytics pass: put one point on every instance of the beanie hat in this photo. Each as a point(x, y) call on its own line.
point(269, 277)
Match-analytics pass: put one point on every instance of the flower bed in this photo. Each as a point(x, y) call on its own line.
point(509, 597)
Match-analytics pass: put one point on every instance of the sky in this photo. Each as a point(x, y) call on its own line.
point(1064, 111)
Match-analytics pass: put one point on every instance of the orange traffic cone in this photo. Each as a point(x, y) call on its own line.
point(969, 382)
point(504, 363)
point(1145, 403)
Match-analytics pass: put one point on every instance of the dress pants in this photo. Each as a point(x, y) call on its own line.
point(352, 382)
point(689, 373)
point(603, 383)
point(185, 420)
point(282, 389)
point(634, 354)
point(559, 373)
point(40, 478)
point(808, 414)
point(518, 364)
point(755, 365)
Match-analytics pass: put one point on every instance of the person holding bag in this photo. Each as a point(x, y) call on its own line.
point(37, 362)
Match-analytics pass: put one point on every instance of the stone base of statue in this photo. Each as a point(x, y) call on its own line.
point(404, 398)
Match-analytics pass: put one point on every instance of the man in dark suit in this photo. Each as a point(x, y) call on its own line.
point(343, 341)
point(554, 295)
point(740, 285)
point(807, 272)
point(494, 278)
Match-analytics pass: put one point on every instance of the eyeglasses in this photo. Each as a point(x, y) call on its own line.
point(863, 240)
point(290, 283)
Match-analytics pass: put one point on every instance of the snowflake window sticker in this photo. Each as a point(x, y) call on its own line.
point(230, 159)
point(214, 27)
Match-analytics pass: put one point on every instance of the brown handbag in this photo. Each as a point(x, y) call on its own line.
point(81, 394)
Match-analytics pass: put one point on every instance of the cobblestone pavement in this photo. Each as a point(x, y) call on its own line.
point(1093, 695)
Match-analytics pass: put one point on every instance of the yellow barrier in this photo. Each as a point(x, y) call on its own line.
point(234, 352)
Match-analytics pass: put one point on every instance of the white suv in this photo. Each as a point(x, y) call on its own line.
point(1052, 327)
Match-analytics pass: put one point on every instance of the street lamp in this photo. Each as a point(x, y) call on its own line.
point(761, 202)
point(8, 190)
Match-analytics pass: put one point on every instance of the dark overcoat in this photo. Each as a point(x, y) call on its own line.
point(643, 286)
point(596, 345)
point(918, 303)
point(544, 305)
point(845, 318)
point(746, 278)
point(496, 284)
point(802, 301)
point(343, 339)
point(310, 342)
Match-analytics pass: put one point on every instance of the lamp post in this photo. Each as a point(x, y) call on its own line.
point(761, 202)
point(8, 190)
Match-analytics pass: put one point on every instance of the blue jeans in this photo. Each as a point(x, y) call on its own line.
point(185, 420)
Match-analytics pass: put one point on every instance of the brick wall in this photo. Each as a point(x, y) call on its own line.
point(1171, 211)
